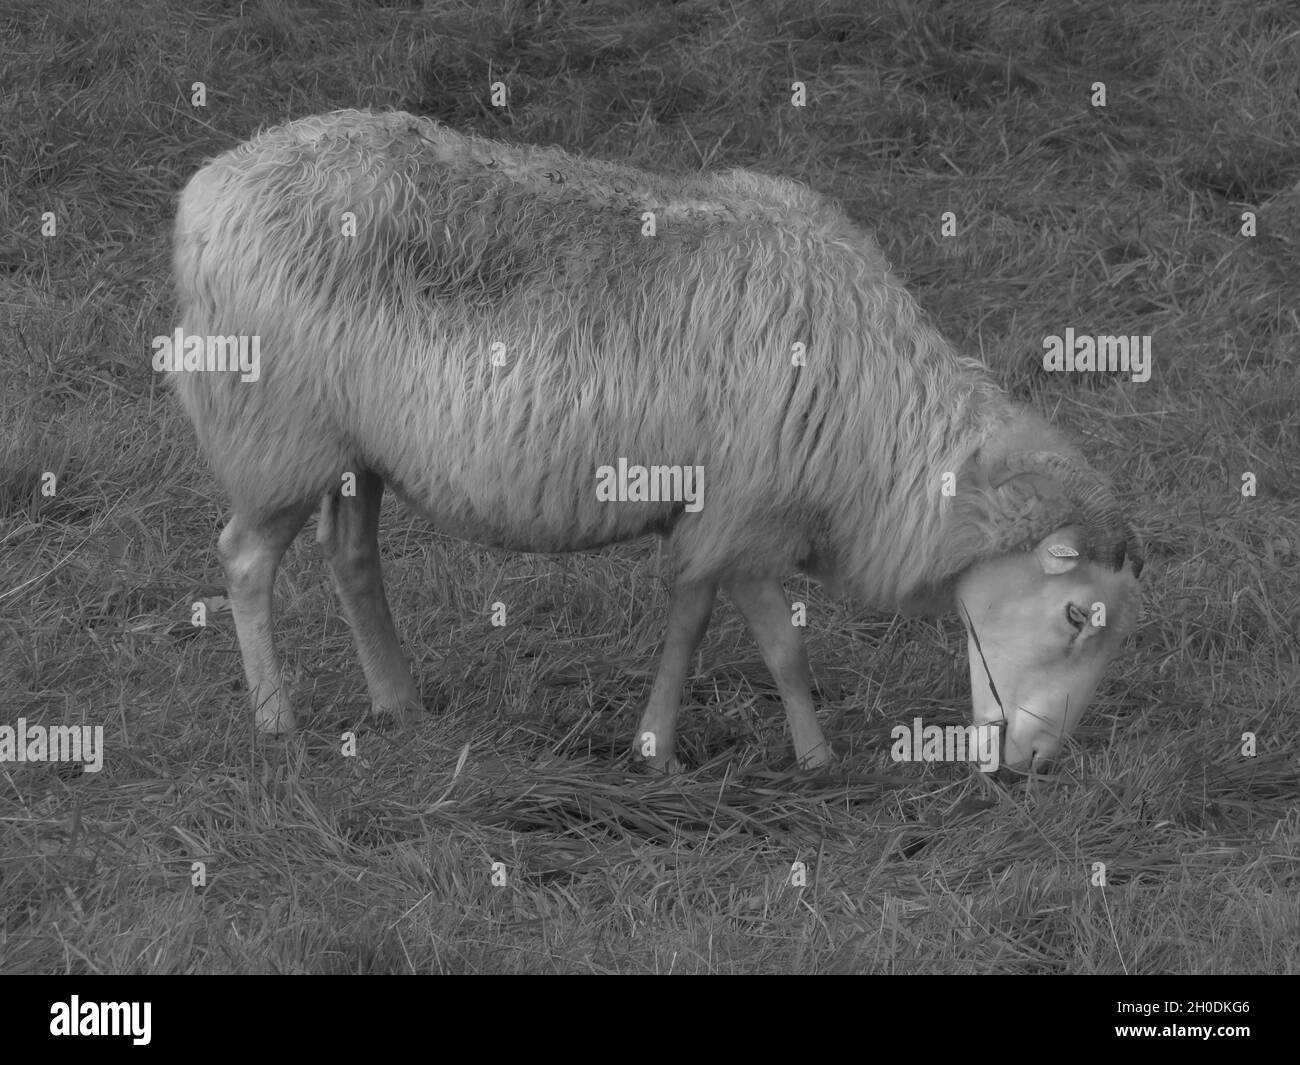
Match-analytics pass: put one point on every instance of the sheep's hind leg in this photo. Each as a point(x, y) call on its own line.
point(348, 533)
point(764, 606)
point(251, 550)
point(689, 607)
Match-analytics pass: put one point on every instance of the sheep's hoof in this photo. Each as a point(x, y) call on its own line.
point(819, 758)
point(399, 713)
point(273, 715)
point(668, 766)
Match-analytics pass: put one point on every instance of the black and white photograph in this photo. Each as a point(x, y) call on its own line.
point(762, 487)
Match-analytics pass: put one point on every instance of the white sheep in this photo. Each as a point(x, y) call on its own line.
point(482, 327)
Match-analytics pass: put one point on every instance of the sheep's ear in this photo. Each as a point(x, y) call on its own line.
point(1057, 554)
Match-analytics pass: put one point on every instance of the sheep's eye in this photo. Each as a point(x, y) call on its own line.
point(1076, 616)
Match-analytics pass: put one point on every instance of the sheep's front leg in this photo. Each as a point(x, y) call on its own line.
point(348, 533)
point(689, 607)
point(764, 606)
point(251, 549)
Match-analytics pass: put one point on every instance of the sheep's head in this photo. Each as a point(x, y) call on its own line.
point(1043, 624)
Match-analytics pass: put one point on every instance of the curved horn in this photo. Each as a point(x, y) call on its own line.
point(1084, 488)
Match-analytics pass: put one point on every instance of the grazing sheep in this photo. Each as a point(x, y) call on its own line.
point(482, 327)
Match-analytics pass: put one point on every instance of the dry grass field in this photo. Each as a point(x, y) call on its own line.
point(1173, 210)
